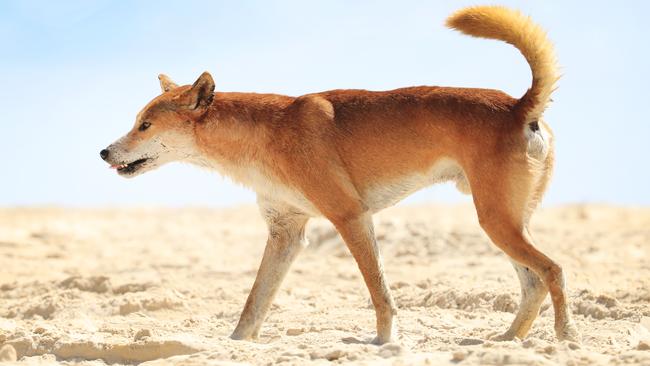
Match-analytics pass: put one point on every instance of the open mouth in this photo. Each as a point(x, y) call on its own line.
point(130, 167)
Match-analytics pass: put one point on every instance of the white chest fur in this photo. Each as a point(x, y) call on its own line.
point(266, 187)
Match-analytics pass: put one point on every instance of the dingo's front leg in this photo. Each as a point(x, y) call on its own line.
point(359, 236)
point(286, 239)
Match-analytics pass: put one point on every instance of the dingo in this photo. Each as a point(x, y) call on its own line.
point(346, 154)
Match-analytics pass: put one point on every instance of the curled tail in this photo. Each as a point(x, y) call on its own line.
point(530, 39)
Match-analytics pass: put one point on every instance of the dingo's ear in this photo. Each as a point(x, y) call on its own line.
point(200, 94)
point(166, 84)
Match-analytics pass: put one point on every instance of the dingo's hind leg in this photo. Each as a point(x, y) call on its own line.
point(533, 293)
point(503, 206)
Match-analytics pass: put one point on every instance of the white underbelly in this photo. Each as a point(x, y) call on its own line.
point(387, 194)
point(376, 197)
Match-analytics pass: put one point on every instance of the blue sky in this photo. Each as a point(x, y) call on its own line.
point(75, 73)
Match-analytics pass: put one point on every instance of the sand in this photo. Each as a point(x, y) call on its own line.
point(166, 286)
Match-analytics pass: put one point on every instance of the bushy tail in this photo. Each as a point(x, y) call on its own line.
point(513, 27)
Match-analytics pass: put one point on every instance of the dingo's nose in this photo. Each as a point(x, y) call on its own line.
point(103, 154)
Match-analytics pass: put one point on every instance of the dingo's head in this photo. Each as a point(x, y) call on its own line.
point(163, 130)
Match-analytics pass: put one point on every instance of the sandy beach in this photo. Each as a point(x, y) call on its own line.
point(165, 286)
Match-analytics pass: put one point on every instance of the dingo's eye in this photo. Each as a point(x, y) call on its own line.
point(144, 126)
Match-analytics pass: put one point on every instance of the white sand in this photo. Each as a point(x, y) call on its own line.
point(167, 286)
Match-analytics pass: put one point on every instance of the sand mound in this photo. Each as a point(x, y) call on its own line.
point(168, 286)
